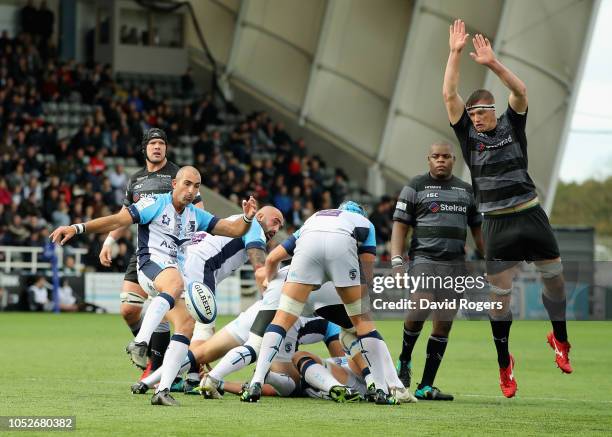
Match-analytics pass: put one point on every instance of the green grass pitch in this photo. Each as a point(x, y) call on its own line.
point(74, 364)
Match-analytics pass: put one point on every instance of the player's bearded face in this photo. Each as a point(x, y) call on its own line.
point(270, 226)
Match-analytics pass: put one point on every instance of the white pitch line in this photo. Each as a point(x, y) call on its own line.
point(529, 398)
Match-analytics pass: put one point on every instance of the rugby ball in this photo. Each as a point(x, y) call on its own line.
point(201, 303)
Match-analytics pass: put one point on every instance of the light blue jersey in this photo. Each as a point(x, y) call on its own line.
point(163, 232)
point(211, 259)
point(339, 222)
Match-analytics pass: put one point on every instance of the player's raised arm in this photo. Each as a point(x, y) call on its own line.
point(96, 226)
point(452, 100)
point(483, 54)
point(237, 228)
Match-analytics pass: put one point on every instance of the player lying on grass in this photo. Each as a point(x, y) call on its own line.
point(319, 376)
point(335, 244)
point(515, 227)
point(283, 375)
point(165, 224)
point(248, 330)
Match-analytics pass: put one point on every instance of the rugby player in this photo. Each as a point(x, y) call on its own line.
point(438, 207)
point(515, 227)
point(338, 244)
point(166, 223)
point(153, 179)
point(210, 259)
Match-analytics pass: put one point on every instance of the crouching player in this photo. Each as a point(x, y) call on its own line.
point(334, 244)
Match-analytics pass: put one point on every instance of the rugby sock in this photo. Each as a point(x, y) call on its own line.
point(153, 316)
point(270, 345)
point(410, 339)
point(283, 384)
point(193, 371)
point(435, 351)
point(556, 313)
point(160, 339)
point(135, 327)
point(373, 351)
point(501, 332)
point(318, 376)
point(367, 376)
point(236, 359)
point(175, 355)
point(189, 363)
point(391, 378)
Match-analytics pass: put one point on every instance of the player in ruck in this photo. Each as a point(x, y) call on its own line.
point(153, 179)
point(166, 223)
point(338, 244)
point(515, 227)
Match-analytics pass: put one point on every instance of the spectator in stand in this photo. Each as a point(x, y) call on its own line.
point(382, 220)
point(28, 18)
point(67, 300)
point(187, 83)
point(5, 194)
point(60, 216)
point(282, 201)
point(38, 295)
point(17, 232)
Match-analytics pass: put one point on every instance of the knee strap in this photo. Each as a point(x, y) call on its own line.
point(360, 306)
point(550, 270)
point(499, 291)
point(290, 305)
point(132, 298)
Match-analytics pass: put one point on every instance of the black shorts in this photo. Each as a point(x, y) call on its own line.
point(131, 274)
point(521, 236)
point(438, 278)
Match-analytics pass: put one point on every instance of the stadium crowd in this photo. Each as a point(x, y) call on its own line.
point(253, 156)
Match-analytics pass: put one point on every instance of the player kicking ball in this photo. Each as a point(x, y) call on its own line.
point(165, 224)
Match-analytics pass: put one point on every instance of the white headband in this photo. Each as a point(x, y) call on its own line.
point(485, 107)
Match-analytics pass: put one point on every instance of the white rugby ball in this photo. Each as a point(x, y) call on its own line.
point(201, 303)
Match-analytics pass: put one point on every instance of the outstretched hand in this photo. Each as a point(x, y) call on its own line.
point(483, 54)
point(249, 207)
point(457, 36)
point(62, 234)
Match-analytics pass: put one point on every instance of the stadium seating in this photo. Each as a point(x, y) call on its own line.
point(235, 147)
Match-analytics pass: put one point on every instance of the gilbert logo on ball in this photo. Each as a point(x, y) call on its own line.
point(200, 302)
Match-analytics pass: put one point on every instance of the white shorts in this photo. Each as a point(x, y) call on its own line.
point(325, 256)
point(240, 327)
point(321, 297)
point(148, 272)
point(324, 296)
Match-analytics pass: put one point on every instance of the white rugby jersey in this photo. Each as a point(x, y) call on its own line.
point(339, 222)
point(162, 231)
point(211, 259)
